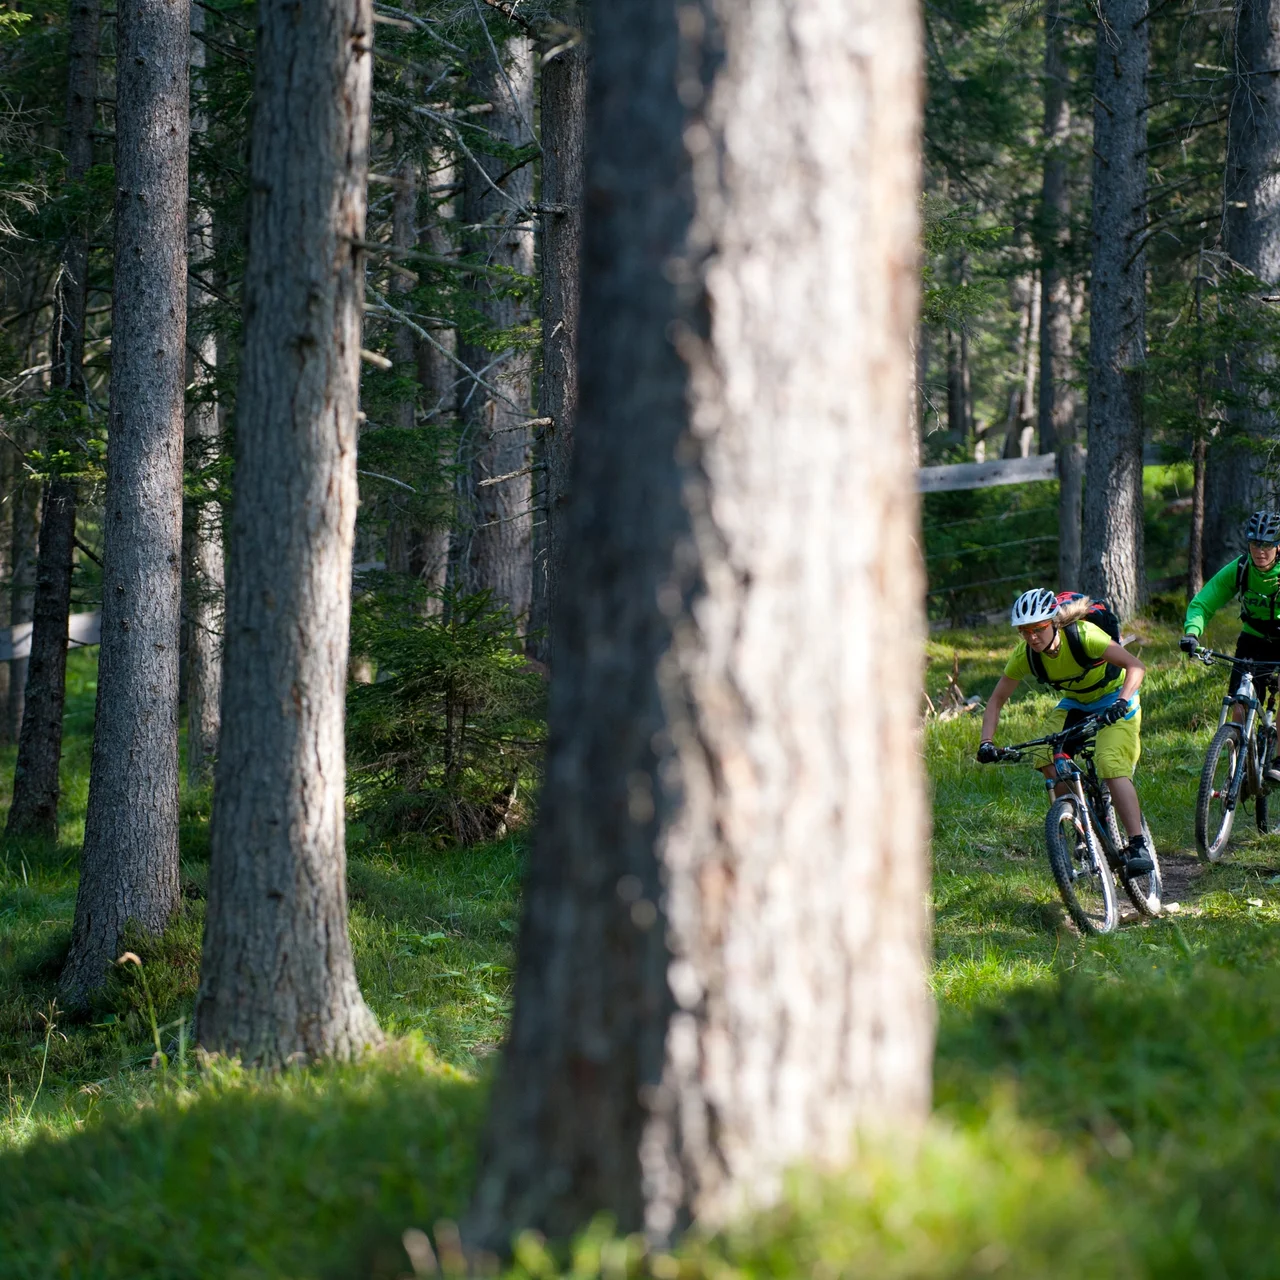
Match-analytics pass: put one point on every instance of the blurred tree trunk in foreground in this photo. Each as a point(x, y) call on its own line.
point(723, 949)
point(129, 864)
point(277, 981)
point(1112, 538)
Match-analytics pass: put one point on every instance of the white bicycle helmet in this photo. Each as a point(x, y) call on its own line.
point(1264, 526)
point(1036, 605)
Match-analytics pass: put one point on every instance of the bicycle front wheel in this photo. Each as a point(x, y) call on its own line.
point(1085, 882)
point(1213, 816)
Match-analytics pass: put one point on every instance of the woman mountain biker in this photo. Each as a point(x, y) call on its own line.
point(1105, 684)
point(1255, 578)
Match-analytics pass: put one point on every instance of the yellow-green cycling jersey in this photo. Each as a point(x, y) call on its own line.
point(1076, 682)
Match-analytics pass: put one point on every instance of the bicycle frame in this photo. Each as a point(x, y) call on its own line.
point(1250, 766)
point(1094, 800)
point(1083, 785)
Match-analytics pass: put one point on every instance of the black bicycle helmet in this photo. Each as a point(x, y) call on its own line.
point(1264, 526)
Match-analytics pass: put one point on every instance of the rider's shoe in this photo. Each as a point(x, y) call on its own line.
point(1137, 860)
point(1273, 772)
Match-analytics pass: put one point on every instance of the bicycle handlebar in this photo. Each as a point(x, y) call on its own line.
point(1078, 733)
point(1210, 656)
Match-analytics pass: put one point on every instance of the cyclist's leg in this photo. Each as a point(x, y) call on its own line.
point(1116, 756)
point(1268, 650)
point(1124, 795)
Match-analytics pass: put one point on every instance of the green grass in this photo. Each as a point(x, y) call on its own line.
point(116, 1162)
point(1107, 1107)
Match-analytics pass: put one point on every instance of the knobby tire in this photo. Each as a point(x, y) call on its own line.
point(1213, 819)
point(1266, 745)
point(1087, 887)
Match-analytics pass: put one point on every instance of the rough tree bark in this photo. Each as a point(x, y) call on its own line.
point(563, 116)
point(204, 571)
point(438, 375)
point(1237, 482)
point(1112, 534)
point(404, 235)
point(404, 533)
point(1020, 423)
point(277, 979)
point(1199, 456)
point(25, 534)
point(722, 952)
point(495, 518)
point(34, 810)
point(1057, 416)
point(129, 864)
point(10, 468)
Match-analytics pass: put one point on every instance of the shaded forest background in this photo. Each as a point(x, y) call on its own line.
point(1100, 251)
point(458, 223)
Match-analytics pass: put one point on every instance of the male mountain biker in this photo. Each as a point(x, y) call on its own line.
point(1255, 578)
point(1098, 677)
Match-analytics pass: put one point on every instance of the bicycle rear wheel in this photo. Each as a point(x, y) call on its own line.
point(1086, 884)
point(1266, 745)
point(1213, 818)
point(1145, 891)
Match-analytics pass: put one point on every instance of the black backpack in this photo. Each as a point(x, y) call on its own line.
point(1101, 614)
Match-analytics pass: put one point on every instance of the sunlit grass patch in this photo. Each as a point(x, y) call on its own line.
point(228, 1173)
point(1001, 1198)
point(1105, 1106)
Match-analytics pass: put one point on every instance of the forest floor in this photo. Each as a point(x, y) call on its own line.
point(1107, 1105)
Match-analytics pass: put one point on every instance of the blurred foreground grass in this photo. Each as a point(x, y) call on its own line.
point(1107, 1107)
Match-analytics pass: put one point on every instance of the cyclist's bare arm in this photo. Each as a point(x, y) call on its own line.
point(999, 696)
point(1133, 668)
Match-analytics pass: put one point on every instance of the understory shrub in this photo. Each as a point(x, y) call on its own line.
point(446, 740)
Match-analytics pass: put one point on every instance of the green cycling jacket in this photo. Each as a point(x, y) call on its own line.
point(1259, 604)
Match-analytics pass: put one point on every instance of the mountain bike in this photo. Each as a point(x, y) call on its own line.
point(1235, 764)
point(1083, 834)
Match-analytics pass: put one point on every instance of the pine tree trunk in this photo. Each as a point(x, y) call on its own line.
point(1195, 543)
point(956, 418)
point(438, 376)
point(404, 536)
point(129, 864)
point(1057, 405)
point(35, 780)
point(495, 518)
point(22, 582)
point(1025, 296)
point(722, 953)
point(277, 979)
point(1236, 483)
point(404, 235)
point(1112, 536)
point(10, 469)
point(34, 810)
point(564, 105)
point(204, 573)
